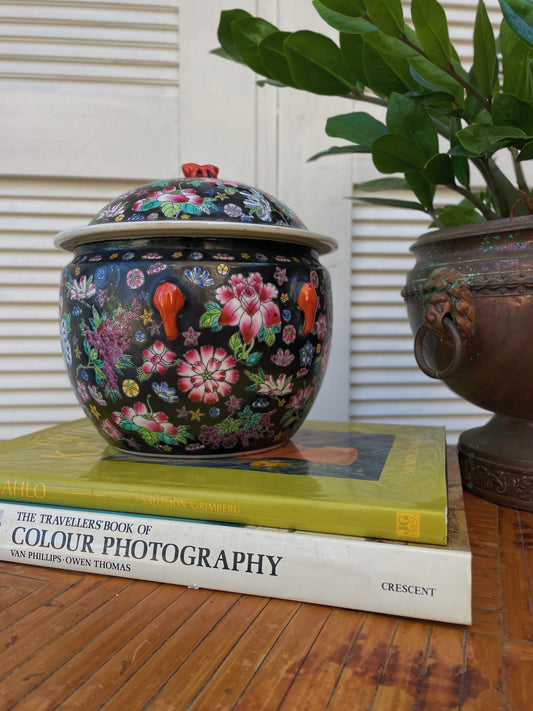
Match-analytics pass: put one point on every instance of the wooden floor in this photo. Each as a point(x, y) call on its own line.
point(81, 641)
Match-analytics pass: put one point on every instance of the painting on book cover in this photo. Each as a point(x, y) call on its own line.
point(345, 455)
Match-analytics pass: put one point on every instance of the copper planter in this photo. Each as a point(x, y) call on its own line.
point(470, 305)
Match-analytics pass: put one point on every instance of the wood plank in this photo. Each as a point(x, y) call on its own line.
point(399, 683)
point(482, 678)
point(274, 677)
point(515, 585)
point(443, 673)
point(68, 676)
point(364, 665)
point(233, 675)
point(185, 683)
point(41, 628)
point(157, 670)
point(63, 642)
point(317, 678)
point(124, 662)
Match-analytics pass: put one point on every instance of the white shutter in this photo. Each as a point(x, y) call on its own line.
point(89, 109)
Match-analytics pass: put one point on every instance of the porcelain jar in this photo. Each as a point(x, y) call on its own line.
point(195, 318)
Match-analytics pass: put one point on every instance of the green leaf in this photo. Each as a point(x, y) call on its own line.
point(485, 62)
point(516, 63)
point(225, 34)
point(507, 110)
point(409, 119)
point(422, 188)
point(352, 54)
point(387, 15)
point(380, 75)
point(343, 15)
point(519, 15)
point(396, 154)
point(453, 215)
point(439, 170)
point(383, 184)
point(316, 64)
point(358, 127)
point(431, 28)
point(337, 150)
point(485, 139)
point(433, 77)
point(247, 36)
point(527, 152)
point(272, 55)
point(391, 202)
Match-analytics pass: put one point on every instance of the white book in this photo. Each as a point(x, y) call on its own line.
point(392, 577)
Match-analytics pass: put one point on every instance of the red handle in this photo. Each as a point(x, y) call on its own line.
point(308, 302)
point(168, 300)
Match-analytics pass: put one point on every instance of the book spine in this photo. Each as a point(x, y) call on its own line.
point(393, 578)
point(342, 518)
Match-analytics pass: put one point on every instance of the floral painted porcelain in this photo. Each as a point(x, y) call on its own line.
point(195, 318)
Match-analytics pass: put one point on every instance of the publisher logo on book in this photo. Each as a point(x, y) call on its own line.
point(408, 525)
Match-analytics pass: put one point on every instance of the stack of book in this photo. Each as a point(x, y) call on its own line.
point(350, 515)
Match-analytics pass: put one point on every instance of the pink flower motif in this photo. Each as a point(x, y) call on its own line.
point(282, 357)
point(301, 397)
point(110, 430)
point(275, 387)
point(248, 304)
point(141, 418)
point(135, 278)
point(321, 326)
point(289, 333)
point(313, 278)
point(207, 374)
point(158, 357)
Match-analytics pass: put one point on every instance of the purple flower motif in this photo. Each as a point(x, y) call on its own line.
point(191, 336)
point(280, 275)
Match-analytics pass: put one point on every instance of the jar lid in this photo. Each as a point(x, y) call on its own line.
point(198, 204)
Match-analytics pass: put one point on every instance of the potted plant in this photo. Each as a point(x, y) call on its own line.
point(469, 129)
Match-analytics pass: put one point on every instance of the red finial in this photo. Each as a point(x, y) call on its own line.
point(193, 170)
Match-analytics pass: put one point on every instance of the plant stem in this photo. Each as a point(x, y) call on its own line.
point(520, 177)
point(476, 201)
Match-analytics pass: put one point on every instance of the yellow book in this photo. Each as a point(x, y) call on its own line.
point(379, 481)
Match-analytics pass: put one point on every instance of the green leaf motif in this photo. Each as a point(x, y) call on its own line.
point(171, 209)
point(209, 319)
point(431, 28)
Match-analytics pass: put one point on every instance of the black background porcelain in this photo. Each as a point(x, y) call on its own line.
point(196, 341)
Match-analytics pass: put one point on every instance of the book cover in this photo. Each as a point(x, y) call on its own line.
point(381, 481)
point(392, 577)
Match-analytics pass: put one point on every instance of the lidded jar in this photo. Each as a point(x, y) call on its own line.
point(195, 317)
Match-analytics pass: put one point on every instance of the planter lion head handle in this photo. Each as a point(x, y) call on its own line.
point(449, 315)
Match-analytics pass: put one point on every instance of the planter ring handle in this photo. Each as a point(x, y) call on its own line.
point(457, 342)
